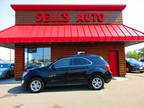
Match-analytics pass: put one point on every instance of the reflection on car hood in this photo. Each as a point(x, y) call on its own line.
point(37, 69)
point(3, 69)
point(31, 69)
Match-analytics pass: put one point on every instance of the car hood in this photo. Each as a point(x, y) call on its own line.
point(37, 69)
point(32, 69)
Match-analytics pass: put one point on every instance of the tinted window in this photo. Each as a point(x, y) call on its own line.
point(97, 60)
point(80, 61)
point(62, 63)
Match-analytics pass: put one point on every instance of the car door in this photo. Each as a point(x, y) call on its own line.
point(58, 71)
point(78, 70)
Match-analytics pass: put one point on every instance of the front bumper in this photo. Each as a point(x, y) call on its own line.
point(137, 69)
point(23, 83)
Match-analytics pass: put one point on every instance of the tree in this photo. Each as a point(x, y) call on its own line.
point(133, 54)
point(141, 52)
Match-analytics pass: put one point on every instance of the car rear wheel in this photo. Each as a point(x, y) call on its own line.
point(36, 85)
point(96, 82)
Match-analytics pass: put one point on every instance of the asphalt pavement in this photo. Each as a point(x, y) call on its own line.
point(119, 93)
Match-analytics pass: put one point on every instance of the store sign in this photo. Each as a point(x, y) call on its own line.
point(65, 17)
point(51, 17)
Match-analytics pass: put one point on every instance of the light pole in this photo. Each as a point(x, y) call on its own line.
point(27, 56)
point(10, 55)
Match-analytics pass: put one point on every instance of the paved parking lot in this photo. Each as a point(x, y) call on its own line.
point(120, 93)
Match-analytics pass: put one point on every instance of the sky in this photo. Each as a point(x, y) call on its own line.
point(133, 15)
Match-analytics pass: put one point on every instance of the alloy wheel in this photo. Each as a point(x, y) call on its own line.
point(96, 82)
point(36, 86)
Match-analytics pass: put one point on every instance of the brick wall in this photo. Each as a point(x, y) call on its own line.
point(19, 61)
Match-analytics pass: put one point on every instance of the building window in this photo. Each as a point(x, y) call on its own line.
point(37, 56)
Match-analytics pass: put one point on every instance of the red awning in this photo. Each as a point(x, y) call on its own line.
point(69, 33)
point(27, 7)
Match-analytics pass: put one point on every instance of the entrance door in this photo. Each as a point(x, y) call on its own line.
point(113, 61)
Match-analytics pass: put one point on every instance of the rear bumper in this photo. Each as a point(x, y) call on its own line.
point(108, 77)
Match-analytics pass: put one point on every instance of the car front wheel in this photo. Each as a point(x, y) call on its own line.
point(36, 85)
point(96, 82)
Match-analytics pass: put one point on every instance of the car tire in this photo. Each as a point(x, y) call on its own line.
point(36, 85)
point(96, 82)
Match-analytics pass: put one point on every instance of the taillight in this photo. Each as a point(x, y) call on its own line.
point(108, 67)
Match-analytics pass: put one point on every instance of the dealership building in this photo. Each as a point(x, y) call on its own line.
point(43, 33)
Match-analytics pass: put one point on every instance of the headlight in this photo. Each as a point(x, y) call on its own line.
point(141, 67)
point(22, 82)
point(24, 73)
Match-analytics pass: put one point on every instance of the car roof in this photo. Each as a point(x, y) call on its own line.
point(84, 55)
point(79, 55)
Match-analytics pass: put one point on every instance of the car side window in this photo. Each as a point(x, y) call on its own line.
point(65, 62)
point(80, 61)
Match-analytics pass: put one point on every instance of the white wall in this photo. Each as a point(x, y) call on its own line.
point(6, 54)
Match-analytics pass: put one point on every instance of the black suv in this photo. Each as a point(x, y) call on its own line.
point(74, 70)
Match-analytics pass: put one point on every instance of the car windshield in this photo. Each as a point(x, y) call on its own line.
point(132, 61)
point(4, 65)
